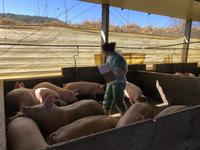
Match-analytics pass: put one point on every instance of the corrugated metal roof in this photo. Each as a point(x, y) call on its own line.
point(184, 9)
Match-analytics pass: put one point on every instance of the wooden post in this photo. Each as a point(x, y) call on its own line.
point(186, 40)
point(2, 119)
point(104, 27)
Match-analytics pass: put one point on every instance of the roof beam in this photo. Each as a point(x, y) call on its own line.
point(184, 9)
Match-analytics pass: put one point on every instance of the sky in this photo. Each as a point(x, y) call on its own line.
point(78, 11)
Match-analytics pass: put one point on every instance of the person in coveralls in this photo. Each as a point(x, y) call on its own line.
point(115, 89)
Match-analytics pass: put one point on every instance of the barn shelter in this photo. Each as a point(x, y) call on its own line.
point(183, 9)
point(174, 132)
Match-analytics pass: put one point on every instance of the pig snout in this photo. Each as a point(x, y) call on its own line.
point(52, 138)
point(71, 98)
point(141, 98)
point(59, 103)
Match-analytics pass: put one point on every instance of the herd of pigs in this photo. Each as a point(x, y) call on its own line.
point(48, 114)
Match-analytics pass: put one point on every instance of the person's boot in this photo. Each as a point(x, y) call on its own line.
point(107, 112)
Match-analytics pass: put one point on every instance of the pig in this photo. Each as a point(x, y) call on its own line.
point(82, 127)
point(132, 92)
point(68, 96)
point(50, 117)
point(187, 74)
point(137, 112)
point(28, 97)
point(85, 89)
point(18, 97)
point(24, 134)
point(171, 110)
point(41, 93)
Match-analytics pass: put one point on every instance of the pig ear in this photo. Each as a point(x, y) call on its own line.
point(21, 107)
point(48, 103)
point(103, 86)
point(17, 85)
point(140, 117)
point(75, 94)
point(63, 84)
point(141, 98)
point(75, 90)
point(21, 84)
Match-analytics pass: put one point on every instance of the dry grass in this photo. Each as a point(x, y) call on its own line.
point(8, 21)
point(55, 23)
point(171, 31)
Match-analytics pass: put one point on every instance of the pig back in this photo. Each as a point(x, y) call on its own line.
point(87, 90)
point(133, 91)
point(47, 85)
point(75, 111)
point(24, 134)
point(83, 108)
point(50, 118)
point(171, 110)
point(137, 112)
point(18, 97)
point(82, 127)
point(82, 86)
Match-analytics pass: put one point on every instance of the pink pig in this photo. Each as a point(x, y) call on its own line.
point(89, 89)
point(68, 96)
point(134, 93)
point(24, 134)
point(50, 117)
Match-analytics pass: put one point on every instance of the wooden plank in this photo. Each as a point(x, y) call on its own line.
point(2, 119)
point(179, 131)
point(30, 82)
point(136, 67)
point(93, 74)
point(176, 67)
point(175, 132)
point(83, 74)
point(177, 89)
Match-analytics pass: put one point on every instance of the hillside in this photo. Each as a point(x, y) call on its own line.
point(26, 19)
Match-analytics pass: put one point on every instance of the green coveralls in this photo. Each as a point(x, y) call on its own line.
point(115, 90)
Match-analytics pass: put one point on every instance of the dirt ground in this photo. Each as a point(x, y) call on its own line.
point(27, 61)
